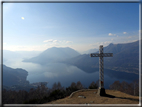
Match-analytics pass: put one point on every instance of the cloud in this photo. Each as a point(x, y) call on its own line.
point(68, 41)
point(124, 32)
point(110, 34)
point(55, 41)
point(132, 36)
point(107, 42)
point(49, 40)
point(134, 40)
point(22, 18)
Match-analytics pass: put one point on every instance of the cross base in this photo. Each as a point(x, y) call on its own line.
point(101, 92)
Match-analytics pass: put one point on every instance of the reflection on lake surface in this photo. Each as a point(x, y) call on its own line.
point(66, 74)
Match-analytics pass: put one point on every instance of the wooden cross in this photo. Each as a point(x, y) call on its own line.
point(101, 67)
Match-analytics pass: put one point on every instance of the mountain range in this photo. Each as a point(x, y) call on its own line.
point(52, 55)
point(8, 55)
point(125, 58)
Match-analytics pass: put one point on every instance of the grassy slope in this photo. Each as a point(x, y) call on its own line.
point(114, 97)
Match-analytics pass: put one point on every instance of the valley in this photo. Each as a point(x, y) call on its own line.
point(68, 63)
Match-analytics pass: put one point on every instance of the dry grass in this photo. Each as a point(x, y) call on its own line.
point(114, 97)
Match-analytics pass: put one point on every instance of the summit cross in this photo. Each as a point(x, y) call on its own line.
point(101, 90)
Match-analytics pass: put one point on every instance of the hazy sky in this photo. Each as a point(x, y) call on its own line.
point(81, 26)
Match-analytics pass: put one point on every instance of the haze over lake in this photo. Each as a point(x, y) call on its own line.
point(60, 72)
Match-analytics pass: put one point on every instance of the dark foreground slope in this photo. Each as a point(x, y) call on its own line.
point(91, 97)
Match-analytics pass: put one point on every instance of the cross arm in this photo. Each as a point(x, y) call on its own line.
point(101, 55)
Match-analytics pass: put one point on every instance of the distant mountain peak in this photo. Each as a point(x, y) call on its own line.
point(111, 44)
point(54, 54)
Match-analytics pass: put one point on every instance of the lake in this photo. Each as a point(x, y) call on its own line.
point(66, 74)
